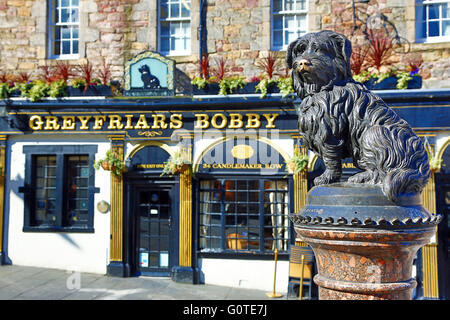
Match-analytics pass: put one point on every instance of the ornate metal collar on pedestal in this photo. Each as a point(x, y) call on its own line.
point(362, 206)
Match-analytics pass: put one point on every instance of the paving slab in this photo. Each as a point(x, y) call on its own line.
point(30, 283)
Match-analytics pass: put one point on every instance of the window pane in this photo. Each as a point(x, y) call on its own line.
point(163, 11)
point(301, 23)
point(76, 191)
point(65, 32)
point(433, 11)
point(174, 10)
point(445, 10)
point(65, 3)
point(165, 44)
point(65, 15)
point(278, 22)
point(289, 5)
point(185, 9)
point(44, 191)
point(174, 29)
point(74, 3)
point(277, 5)
point(301, 5)
point(446, 28)
point(75, 47)
point(289, 36)
point(433, 29)
point(278, 39)
point(74, 33)
point(74, 15)
point(65, 47)
point(165, 29)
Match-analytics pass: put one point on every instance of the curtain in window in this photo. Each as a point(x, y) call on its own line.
point(279, 214)
point(205, 210)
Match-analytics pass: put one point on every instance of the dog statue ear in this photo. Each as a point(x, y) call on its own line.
point(289, 52)
point(345, 45)
point(345, 51)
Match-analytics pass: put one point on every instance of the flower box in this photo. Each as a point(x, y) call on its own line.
point(249, 88)
point(390, 83)
point(97, 90)
point(209, 89)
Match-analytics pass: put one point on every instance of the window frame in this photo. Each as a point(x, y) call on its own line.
point(51, 7)
point(424, 23)
point(284, 13)
point(169, 20)
point(61, 152)
point(225, 252)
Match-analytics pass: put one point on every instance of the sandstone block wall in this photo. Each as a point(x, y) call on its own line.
point(238, 30)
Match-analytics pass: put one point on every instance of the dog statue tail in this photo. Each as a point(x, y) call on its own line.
point(402, 157)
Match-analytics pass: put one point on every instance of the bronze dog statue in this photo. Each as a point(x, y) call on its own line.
point(340, 118)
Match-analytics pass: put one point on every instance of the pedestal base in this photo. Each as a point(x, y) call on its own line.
point(364, 245)
point(365, 264)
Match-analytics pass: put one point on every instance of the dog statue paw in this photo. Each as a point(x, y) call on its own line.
point(339, 118)
point(328, 177)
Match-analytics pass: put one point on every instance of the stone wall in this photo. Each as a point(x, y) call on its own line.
point(237, 30)
point(435, 70)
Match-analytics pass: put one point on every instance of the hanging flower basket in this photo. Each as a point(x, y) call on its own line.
point(297, 163)
point(176, 164)
point(110, 163)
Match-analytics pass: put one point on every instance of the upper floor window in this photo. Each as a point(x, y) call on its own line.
point(432, 20)
point(64, 24)
point(175, 27)
point(289, 21)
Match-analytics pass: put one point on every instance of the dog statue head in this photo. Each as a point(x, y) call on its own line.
point(319, 61)
point(144, 69)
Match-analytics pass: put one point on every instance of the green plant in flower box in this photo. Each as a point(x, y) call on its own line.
point(200, 82)
point(227, 86)
point(286, 86)
point(57, 89)
point(78, 83)
point(4, 90)
point(264, 85)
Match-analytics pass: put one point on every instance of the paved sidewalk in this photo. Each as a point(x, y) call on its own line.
point(29, 283)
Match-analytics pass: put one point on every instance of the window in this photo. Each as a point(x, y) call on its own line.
point(64, 25)
point(432, 21)
point(59, 188)
point(175, 27)
point(288, 22)
point(244, 215)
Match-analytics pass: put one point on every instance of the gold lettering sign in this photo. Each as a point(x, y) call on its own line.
point(243, 166)
point(151, 166)
point(156, 121)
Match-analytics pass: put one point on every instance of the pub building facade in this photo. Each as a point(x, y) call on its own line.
point(218, 221)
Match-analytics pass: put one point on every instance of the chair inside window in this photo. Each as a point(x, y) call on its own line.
point(236, 241)
point(296, 276)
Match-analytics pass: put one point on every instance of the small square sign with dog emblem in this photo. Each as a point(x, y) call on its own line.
point(149, 74)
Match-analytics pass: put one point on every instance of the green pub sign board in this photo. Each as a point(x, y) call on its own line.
point(149, 74)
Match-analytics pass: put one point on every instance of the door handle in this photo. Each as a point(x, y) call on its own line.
point(170, 222)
